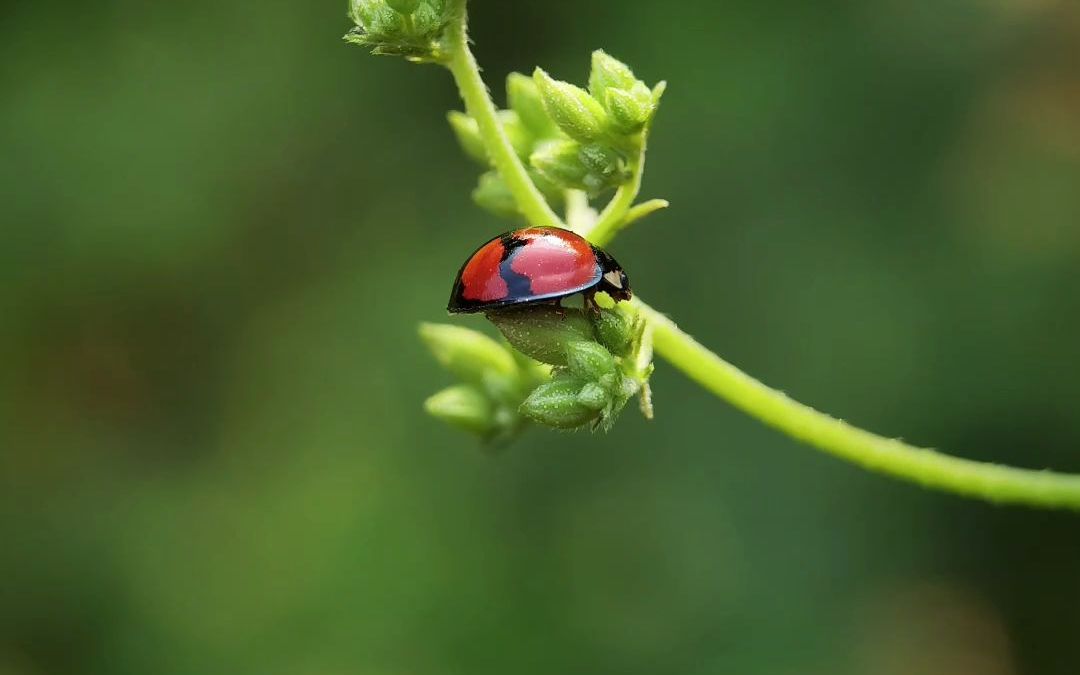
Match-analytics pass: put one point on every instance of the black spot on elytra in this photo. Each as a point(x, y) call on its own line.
point(518, 286)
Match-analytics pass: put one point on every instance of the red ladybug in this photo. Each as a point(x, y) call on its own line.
point(533, 265)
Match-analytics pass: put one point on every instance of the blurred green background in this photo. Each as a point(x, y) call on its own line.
point(221, 226)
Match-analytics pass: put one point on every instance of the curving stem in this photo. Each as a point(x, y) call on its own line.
point(932, 469)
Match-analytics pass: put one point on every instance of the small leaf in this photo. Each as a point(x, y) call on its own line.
point(576, 113)
point(639, 211)
point(658, 91)
point(645, 400)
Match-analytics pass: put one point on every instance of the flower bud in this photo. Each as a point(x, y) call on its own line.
point(520, 137)
point(502, 390)
point(554, 192)
point(492, 194)
point(381, 22)
point(556, 404)
point(430, 18)
point(559, 162)
point(403, 6)
point(606, 165)
point(615, 330)
point(608, 72)
point(410, 28)
point(576, 113)
point(523, 97)
point(628, 113)
point(594, 397)
point(543, 331)
point(470, 355)
point(385, 32)
point(468, 135)
point(463, 406)
point(589, 360)
point(362, 11)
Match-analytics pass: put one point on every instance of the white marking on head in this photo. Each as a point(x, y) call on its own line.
point(614, 278)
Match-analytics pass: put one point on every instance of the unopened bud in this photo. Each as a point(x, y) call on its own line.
point(543, 331)
point(559, 162)
point(589, 360)
point(363, 12)
point(523, 97)
point(608, 72)
point(556, 404)
point(492, 194)
point(519, 136)
point(577, 114)
point(594, 397)
point(468, 135)
point(627, 112)
point(604, 163)
point(463, 406)
point(615, 330)
point(470, 355)
point(413, 29)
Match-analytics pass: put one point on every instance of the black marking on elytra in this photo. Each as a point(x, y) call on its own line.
point(517, 285)
point(510, 243)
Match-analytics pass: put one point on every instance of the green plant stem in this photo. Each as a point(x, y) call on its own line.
point(478, 104)
point(991, 482)
point(612, 217)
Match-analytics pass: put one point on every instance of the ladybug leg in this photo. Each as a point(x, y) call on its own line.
point(591, 307)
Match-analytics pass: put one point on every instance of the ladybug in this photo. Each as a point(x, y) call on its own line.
point(533, 265)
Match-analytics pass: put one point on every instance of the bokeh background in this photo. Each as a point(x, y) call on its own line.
point(221, 226)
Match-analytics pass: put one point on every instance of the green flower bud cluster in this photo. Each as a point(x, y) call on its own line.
point(600, 361)
point(629, 103)
point(568, 137)
point(409, 28)
point(603, 125)
point(494, 381)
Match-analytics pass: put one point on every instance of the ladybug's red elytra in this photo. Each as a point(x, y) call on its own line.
point(533, 265)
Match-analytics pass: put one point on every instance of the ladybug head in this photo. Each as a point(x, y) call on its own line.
point(613, 280)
